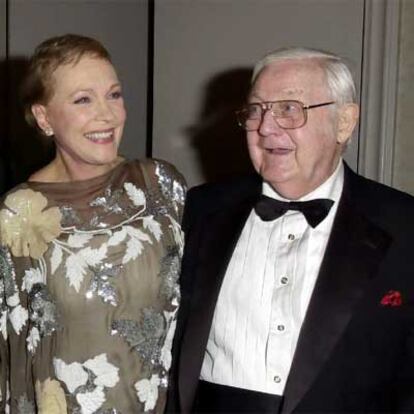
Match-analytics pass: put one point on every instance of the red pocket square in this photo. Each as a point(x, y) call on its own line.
point(392, 298)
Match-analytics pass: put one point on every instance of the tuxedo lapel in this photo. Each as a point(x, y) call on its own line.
point(218, 237)
point(354, 251)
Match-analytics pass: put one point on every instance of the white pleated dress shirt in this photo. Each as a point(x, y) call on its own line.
point(265, 294)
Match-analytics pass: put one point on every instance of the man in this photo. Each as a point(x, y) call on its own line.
point(300, 307)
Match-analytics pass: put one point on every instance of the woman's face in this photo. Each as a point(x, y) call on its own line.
point(86, 115)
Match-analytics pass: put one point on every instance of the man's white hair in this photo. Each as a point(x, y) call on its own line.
point(338, 75)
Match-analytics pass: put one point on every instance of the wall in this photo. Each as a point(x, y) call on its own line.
point(3, 95)
point(204, 52)
point(403, 168)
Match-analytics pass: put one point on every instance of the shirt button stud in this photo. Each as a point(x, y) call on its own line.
point(284, 280)
point(277, 379)
point(291, 237)
point(280, 328)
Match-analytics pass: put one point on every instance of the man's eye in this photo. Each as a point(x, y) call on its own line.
point(253, 110)
point(289, 108)
point(82, 100)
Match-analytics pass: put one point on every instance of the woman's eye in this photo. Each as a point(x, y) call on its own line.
point(82, 100)
point(116, 95)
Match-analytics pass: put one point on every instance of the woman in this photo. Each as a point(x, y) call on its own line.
point(91, 251)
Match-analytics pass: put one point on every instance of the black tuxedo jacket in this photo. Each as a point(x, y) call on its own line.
point(356, 347)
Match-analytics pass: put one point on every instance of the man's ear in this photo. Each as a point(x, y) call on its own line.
point(347, 119)
point(39, 111)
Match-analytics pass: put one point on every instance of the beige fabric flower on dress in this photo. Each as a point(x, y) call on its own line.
point(50, 397)
point(25, 226)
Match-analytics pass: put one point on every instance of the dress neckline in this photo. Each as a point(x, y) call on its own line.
point(98, 180)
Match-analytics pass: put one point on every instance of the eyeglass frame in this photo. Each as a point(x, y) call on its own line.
point(267, 106)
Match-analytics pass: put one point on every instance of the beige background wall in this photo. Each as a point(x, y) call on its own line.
point(204, 51)
point(403, 168)
point(3, 94)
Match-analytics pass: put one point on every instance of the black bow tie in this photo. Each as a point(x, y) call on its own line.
point(315, 211)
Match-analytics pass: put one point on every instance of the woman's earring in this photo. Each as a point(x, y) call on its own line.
point(48, 132)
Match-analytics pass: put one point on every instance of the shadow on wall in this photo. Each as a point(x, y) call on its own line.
point(23, 149)
point(217, 139)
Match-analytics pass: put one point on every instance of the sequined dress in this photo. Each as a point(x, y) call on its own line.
point(89, 291)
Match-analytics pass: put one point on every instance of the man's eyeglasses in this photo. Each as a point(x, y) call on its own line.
point(287, 114)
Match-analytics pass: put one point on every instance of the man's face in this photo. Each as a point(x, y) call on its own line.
point(295, 161)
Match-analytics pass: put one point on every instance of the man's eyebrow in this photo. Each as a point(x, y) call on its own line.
point(287, 91)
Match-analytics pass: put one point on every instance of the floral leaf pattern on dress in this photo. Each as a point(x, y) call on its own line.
point(18, 318)
point(106, 373)
point(153, 226)
point(169, 273)
point(73, 375)
point(145, 336)
point(31, 277)
point(102, 282)
point(135, 243)
point(33, 339)
point(110, 201)
point(50, 397)
point(171, 188)
point(90, 401)
point(147, 391)
point(93, 257)
point(26, 225)
point(78, 240)
point(136, 195)
point(76, 268)
point(43, 312)
point(92, 254)
point(117, 237)
point(87, 381)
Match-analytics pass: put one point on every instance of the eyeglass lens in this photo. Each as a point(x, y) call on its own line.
point(288, 114)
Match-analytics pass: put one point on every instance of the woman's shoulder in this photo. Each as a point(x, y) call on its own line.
point(156, 166)
point(163, 178)
point(159, 172)
point(19, 188)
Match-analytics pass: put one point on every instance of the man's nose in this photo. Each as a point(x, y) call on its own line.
point(269, 125)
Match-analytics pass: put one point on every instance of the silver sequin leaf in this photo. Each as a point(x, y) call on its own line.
point(70, 217)
point(42, 310)
point(156, 203)
point(145, 337)
point(172, 189)
point(169, 273)
point(102, 283)
point(7, 272)
point(179, 191)
point(109, 202)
